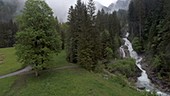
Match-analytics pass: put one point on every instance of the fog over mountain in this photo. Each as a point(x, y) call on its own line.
point(120, 4)
point(61, 7)
point(9, 9)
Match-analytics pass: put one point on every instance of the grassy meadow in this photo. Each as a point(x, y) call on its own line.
point(8, 61)
point(63, 82)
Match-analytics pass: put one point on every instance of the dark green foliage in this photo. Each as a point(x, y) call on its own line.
point(137, 44)
point(91, 38)
point(114, 31)
point(109, 27)
point(62, 28)
point(37, 37)
point(153, 17)
point(108, 53)
point(105, 44)
point(83, 39)
point(125, 67)
point(63, 31)
point(137, 18)
point(7, 33)
point(156, 62)
point(122, 16)
point(72, 36)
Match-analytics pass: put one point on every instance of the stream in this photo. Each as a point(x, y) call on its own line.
point(143, 82)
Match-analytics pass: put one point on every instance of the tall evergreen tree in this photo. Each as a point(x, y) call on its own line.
point(83, 39)
point(108, 26)
point(114, 31)
point(72, 35)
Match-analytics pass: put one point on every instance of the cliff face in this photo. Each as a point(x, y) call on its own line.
point(120, 4)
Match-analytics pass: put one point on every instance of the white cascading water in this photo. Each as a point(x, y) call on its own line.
point(122, 51)
point(143, 80)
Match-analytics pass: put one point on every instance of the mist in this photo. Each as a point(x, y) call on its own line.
point(59, 7)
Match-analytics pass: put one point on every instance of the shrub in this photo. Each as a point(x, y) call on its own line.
point(125, 67)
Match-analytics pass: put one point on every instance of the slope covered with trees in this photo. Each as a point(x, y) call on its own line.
point(149, 26)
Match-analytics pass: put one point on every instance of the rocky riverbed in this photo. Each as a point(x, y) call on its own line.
point(161, 84)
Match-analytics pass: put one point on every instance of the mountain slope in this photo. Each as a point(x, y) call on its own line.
point(120, 4)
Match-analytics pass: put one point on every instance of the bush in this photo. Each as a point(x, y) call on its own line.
point(125, 67)
point(99, 68)
point(109, 53)
point(156, 61)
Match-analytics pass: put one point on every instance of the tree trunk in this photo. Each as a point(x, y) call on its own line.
point(36, 73)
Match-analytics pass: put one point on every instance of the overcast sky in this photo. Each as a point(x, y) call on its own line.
point(106, 2)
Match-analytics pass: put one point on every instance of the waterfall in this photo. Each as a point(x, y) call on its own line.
point(122, 51)
point(143, 81)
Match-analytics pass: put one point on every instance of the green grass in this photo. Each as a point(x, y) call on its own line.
point(58, 60)
point(5, 85)
point(72, 82)
point(10, 63)
point(65, 82)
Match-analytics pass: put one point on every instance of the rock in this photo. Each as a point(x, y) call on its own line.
point(141, 87)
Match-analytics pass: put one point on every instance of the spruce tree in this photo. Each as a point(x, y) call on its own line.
point(85, 58)
point(73, 34)
point(114, 31)
point(94, 33)
point(83, 39)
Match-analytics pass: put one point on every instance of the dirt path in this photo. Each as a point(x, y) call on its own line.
point(26, 69)
point(29, 68)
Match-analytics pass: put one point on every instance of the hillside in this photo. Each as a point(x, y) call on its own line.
point(119, 50)
point(64, 82)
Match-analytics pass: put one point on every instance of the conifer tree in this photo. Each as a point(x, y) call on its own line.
point(83, 39)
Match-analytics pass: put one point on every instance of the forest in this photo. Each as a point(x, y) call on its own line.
point(149, 29)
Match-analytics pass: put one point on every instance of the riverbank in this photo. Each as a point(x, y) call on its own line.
point(143, 81)
point(162, 85)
